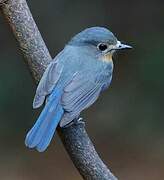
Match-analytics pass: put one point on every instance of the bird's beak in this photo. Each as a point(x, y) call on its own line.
point(119, 46)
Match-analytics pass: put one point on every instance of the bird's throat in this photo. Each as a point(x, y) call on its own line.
point(107, 57)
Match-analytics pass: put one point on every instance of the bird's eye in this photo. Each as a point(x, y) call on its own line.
point(102, 46)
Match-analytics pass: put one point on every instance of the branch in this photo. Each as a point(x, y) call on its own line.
point(2, 1)
point(74, 137)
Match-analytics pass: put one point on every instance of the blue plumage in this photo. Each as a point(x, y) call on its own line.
point(42, 132)
point(72, 82)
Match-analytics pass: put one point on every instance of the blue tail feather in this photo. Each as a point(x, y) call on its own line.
point(45, 141)
point(42, 132)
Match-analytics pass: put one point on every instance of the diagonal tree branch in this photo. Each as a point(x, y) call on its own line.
point(74, 137)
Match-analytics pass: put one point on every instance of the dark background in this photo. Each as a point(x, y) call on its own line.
point(126, 124)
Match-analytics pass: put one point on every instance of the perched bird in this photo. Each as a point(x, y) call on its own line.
point(72, 82)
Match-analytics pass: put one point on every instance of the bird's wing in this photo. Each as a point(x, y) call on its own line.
point(79, 94)
point(47, 82)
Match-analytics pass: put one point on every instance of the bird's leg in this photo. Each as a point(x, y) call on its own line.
point(76, 121)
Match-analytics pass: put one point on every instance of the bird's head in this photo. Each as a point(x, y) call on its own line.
point(100, 41)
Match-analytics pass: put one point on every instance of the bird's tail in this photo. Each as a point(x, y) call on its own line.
point(41, 133)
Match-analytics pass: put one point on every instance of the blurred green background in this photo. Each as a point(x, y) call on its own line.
point(126, 124)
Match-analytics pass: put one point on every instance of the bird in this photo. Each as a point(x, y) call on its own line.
point(72, 82)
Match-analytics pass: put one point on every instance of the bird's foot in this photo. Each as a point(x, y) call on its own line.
point(76, 121)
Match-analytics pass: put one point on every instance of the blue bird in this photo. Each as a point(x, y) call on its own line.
point(72, 82)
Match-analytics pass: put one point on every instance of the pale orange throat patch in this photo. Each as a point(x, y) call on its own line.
point(107, 58)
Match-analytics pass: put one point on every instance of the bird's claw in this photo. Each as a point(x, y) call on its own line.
point(79, 121)
point(76, 121)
